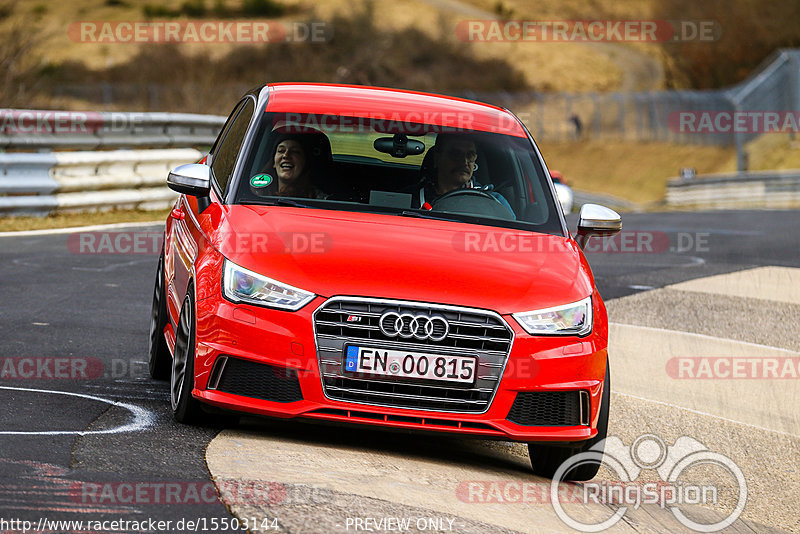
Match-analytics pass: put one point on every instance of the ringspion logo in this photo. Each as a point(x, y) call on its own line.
point(672, 463)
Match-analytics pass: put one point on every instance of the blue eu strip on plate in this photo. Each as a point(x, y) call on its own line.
point(351, 364)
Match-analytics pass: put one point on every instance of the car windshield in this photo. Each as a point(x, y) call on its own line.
point(398, 168)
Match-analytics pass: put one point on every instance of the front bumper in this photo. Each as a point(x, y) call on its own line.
point(286, 341)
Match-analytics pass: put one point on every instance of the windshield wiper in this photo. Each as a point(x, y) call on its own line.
point(420, 215)
point(285, 202)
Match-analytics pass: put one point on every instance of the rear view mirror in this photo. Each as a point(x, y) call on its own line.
point(192, 179)
point(399, 146)
point(596, 220)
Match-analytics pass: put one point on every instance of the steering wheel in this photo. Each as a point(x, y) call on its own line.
point(465, 193)
point(472, 202)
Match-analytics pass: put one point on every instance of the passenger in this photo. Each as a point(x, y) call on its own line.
point(290, 170)
point(454, 162)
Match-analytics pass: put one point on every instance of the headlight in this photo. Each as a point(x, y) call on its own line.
point(242, 285)
point(573, 319)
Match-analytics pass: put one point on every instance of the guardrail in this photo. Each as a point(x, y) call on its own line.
point(47, 182)
point(95, 177)
point(83, 181)
point(766, 189)
point(27, 129)
point(584, 197)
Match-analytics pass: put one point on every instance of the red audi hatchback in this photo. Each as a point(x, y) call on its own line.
point(388, 258)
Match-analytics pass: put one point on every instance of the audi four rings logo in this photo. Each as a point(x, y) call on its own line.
point(419, 326)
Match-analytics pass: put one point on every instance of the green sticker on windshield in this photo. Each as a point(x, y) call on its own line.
point(261, 180)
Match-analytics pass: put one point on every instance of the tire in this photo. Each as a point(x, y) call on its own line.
point(546, 459)
point(160, 358)
point(185, 408)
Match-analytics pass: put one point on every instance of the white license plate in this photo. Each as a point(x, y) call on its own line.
point(404, 364)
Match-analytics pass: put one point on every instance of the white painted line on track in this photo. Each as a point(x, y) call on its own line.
point(94, 228)
point(113, 266)
point(142, 418)
point(698, 412)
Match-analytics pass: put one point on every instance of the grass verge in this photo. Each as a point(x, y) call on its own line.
point(69, 220)
point(638, 172)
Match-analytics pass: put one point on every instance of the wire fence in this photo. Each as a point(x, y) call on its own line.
point(734, 116)
point(621, 116)
point(769, 100)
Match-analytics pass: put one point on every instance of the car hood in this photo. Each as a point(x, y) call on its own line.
point(390, 256)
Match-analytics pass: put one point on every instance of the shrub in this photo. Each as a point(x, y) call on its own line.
point(750, 31)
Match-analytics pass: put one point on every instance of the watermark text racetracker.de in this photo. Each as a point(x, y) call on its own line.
point(47, 122)
point(50, 368)
point(730, 367)
point(656, 492)
point(149, 524)
point(728, 122)
point(70, 368)
point(141, 242)
point(206, 31)
point(189, 492)
point(596, 30)
point(131, 242)
point(624, 242)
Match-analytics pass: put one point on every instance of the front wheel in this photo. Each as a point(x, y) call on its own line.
point(185, 408)
point(546, 459)
point(158, 362)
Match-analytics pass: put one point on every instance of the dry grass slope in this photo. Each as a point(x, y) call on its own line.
point(406, 44)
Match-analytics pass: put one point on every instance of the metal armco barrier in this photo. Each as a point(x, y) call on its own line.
point(78, 181)
point(96, 176)
point(26, 129)
point(46, 182)
point(584, 197)
point(767, 189)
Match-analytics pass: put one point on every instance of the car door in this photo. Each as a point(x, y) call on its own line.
point(187, 235)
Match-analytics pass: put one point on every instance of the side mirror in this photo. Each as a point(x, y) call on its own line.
point(192, 179)
point(596, 220)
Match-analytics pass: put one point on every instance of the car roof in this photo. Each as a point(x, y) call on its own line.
point(391, 104)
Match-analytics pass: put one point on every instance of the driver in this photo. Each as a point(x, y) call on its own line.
point(454, 161)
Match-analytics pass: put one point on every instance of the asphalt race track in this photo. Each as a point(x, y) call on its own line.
point(85, 434)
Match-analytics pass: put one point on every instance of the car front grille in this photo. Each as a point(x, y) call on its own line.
point(550, 408)
point(475, 333)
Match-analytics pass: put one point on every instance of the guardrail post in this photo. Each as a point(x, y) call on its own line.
point(794, 70)
point(741, 157)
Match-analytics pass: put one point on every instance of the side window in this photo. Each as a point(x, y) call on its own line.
point(225, 155)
